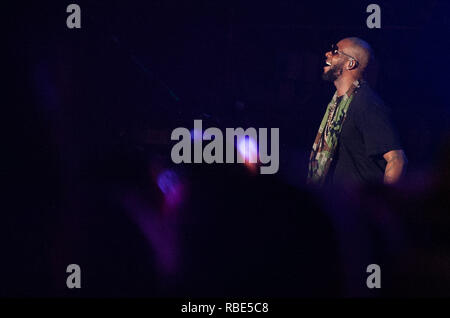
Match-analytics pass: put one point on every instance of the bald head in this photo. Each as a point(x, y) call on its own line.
point(359, 49)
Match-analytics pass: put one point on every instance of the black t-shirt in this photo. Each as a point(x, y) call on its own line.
point(367, 134)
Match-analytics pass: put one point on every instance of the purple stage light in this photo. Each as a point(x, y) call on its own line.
point(170, 184)
point(250, 152)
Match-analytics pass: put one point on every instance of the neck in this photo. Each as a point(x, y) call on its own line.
point(343, 83)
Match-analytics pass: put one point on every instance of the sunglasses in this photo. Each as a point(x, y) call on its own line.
point(335, 51)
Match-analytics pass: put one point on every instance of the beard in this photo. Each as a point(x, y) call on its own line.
point(333, 73)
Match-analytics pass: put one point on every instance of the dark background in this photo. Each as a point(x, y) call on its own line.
point(87, 120)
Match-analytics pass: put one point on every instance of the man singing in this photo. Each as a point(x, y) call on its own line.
point(356, 142)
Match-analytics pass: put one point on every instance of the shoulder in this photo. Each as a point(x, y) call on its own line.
point(367, 101)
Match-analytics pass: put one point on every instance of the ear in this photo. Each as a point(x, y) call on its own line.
point(351, 65)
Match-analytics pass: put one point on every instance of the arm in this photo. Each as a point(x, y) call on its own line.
point(396, 166)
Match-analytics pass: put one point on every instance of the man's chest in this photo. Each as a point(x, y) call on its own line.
point(351, 137)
